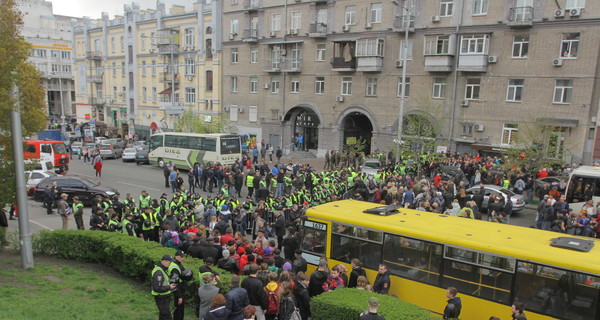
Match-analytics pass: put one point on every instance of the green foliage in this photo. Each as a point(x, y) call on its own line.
point(345, 304)
point(356, 147)
point(194, 123)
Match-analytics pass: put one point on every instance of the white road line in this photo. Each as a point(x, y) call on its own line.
point(41, 225)
point(136, 185)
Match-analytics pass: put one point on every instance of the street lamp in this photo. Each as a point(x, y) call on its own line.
point(406, 20)
point(62, 106)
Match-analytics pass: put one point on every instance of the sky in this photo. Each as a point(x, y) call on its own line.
point(94, 8)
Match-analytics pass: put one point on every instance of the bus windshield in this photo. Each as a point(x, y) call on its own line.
point(230, 145)
point(156, 141)
point(59, 148)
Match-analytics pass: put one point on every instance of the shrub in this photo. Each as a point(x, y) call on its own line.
point(347, 304)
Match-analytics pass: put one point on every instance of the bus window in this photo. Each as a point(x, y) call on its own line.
point(45, 148)
point(344, 248)
point(196, 143)
point(413, 259)
point(582, 189)
point(230, 145)
point(209, 144)
point(30, 148)
point(558, 293)
point(314, 239)
point(59, 148)
point(156, 141)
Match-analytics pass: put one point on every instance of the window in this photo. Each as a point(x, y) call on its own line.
point(409, 49)
point(209, 80)
point(112, 45)
point(234, 26)
point(569, 45)
point(296, 19)
point(253, 85)
point(114, 70)
point(122, 69)
point(143, 68)
point(254, 56)
point(520, 46)
point(65, 54)
point(320, 56)
point(40, 53)
point(351, 242)
point(350, 16)
point(234, 55)
point(319, 85)
point(446, 7)
point(467, 129)
point(480, 7)
point(66, 68)
point(253, 113)
point(143, 42)
point(563, 89)
point(234, 84)
point(276, 22)
point(346, 86)
point(233, 113)
point(55, 68)
point(295, 85)
point(154, 95)
point(510, 132)
point(124, 93)
point(190, 67)
point(190, 95)
point(376, 10)
point(439, 88)
point(274, 85)
point(369, 47)
point(144, 94)
point(406, 87)
point(154, 68)
point(55, 53)
point(515, 90)
point(115, 92)
point(475, 44)
point(472, 89)
point(575, 4)
point(234, 2)
point(437, 45)
point(371, 87)
point(189, 37)
point(413, 259)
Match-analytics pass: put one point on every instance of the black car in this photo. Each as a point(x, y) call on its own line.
point(141, 156)
point(83, 188)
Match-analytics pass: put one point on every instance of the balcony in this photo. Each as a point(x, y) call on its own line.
point(340, 64)
point(251, 5)
point(96, 78)
point(283, 65)
point(168, 48)
point(273, 65)
point(171, 108)
point(520, 17)
point(439, 63)
point(169, 77)
point(317, 30)
point(400, 23)
point(95, 101)
point(369, 64)
point(250, 35)
point(167, 36)
point(93, 55)
point(473, 63)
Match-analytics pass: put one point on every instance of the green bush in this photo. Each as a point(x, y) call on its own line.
point(347, 304)
point(130, 256)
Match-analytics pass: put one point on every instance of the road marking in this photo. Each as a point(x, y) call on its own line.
point(136, 185)
point(41, 225)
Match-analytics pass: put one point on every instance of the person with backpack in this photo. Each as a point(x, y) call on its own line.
point(272, 290)
point(287, 303)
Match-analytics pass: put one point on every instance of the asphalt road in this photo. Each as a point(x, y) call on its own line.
point(127, 177)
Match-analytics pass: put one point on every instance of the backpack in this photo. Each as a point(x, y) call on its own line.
point(296, 315)
point(272, 302)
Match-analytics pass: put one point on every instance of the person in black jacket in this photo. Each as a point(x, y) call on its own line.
point(256, 294)
point(290, 243)
point(382, 281)
point(228, 263)
point(279, 228)
point(317, 278)
point(302, 296)
point(96, 221)
point(299, 264)
point(357, 271)
point(161, 288)
point(237, 300)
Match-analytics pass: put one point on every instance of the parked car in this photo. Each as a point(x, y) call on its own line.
point(76, 147)
point(371, 166)
point(110, 151)
point(141, 157)
point(538, 184)
point(32, 178)
point(139, 143)
point(83, 188)
point(129, 154)
point(517, 199)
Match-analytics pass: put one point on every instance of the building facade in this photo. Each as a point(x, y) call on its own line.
point(478, 73)
point(140, 72)
point(50, 36)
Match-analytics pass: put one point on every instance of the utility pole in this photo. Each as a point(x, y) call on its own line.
point(406, 24)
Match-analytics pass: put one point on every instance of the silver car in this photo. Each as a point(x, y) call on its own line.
point(129, 154)
point(371, 166)
point(110, 151)
point(517, 199)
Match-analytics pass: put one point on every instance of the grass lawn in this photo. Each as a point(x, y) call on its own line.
point(63, 289)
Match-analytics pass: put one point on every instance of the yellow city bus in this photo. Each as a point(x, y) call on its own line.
point(556, 276)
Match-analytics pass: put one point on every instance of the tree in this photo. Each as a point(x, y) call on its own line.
point(196, 123)
point(16, 72)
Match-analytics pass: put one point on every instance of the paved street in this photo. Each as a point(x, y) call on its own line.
point(127, 177)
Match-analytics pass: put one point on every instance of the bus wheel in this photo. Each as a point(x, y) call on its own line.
point(160, 162)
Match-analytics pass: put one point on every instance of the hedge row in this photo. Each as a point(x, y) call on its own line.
point(347, 304)
point(128, 255)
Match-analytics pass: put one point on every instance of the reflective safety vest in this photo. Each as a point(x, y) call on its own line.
point(112, 222)
point(287, 181)
point(145, 201)
point(262, 184)
point(165, 281)
point(124, 227)
point(152, 219)
point(250, 181)
point(67, 208)
point(234, 204)
point(77, 207)
point(225, 192)
point(172, 267)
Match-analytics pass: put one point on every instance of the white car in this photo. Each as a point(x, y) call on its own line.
point(129, 154)
point(32, 178)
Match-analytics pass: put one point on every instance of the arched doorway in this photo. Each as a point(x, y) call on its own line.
point(357, 125)
point(304, 123)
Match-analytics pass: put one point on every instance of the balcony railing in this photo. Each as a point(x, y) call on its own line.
point(171, 107)
point(250, 35)
point(369, 64)
point(340, 64)
point(283, 65)
point(169, 77)
point(317, 30)
point(400, 23)
point(167, 36)
point(251, 5)
point(96, 78)
point(520, 17)
point(169, 48)
point(93, 55)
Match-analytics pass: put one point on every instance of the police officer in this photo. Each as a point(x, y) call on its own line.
point(113, 224)
point(148, 224)
point(161, 287)
point(127, 226)
point(144, 200)
point(78, 213)
point(177, 268)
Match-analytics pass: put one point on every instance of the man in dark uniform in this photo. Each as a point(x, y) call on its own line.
point(161, 288)
point(78, 213)
point(176, 267)
point(128, 227)
point(382, 281)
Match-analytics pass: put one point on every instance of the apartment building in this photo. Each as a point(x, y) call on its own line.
point(138, 73)
point(50, 36)
point(478, 73)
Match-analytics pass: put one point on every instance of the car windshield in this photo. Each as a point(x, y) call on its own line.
point(372, 165)
point(59, 148)
point(507, 192)
point(89, 182)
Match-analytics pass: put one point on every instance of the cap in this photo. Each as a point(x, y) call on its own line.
point(179, 253)
point(373, 302)
point(63, 195)
point(75, 198)
point(166, 257)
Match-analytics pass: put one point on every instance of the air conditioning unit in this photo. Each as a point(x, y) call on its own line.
point(288, 32)
point(190, 78)
point(479, 127)
point(492, 59)
point(369, 25)
point(464, 103)
point(346, 28)
point(266, 85)
point(557, 62)
point(294, 32)
point(399, 63)
point(559, 13)
point(273, 34)
point(435, 18)
point(241, 110)
point(575, 12)
point(339, 98)
point(152, 50)
point(226, 108)
point(231, 36)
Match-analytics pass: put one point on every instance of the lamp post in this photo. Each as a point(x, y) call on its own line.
point(406, 24)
